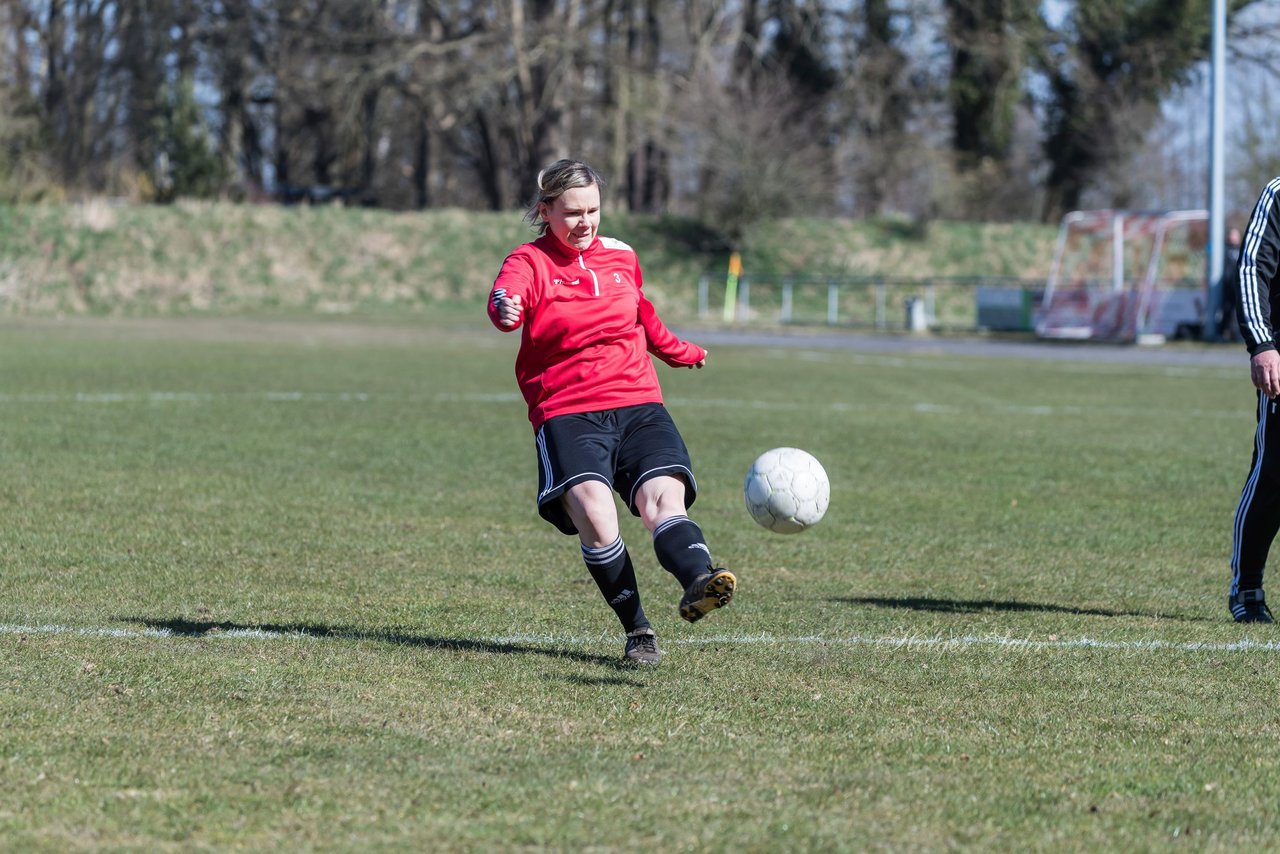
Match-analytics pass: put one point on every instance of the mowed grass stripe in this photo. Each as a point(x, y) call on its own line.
point(109, 397)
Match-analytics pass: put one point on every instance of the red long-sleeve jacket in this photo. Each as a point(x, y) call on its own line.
point(586, 330)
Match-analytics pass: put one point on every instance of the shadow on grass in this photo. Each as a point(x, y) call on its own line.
point(202, 628)
point(589, 682)
point(977, 606)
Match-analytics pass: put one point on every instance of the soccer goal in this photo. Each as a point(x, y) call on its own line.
point(1126, 276)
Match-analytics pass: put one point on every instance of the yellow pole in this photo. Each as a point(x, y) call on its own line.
point(731, 287)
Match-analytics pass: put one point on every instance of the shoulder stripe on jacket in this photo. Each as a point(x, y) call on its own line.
point(614, 243)
point(1254, 302)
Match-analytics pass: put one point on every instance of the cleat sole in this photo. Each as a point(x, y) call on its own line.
point(717, 594)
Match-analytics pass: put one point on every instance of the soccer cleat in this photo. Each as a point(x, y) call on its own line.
point(642, 647)
point(711, 591)
point(1249, 606)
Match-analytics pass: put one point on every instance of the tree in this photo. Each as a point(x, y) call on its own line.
point(762, 138)
point(76, 92)
point(974, 108)
point(24, 168)
point(647, 185)
point(880, 96)
point(24, 137)
point(156, 52)
point(187, 163)
point(990, 43)
point(238, 37)
point(1107, 70)
point(989, 46)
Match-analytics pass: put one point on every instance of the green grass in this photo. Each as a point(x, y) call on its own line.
point(432, 668)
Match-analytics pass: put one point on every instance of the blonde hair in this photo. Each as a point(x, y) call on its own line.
point(553, 181)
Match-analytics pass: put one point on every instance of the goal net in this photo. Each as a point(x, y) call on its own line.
point(1126, 276)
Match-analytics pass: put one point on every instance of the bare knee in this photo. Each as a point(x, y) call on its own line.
point(591, 506)
point(660, 498)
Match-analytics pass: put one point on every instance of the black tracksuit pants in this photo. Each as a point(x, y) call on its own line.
point(1258, 515)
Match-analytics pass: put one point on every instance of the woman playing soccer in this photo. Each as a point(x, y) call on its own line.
point(599, 424)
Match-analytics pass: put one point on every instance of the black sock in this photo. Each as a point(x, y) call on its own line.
point(611, 568)
point(681, 549)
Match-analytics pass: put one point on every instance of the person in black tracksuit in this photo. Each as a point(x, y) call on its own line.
point(1258, 309)
point(1228, 320)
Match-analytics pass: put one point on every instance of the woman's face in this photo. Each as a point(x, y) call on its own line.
point(574, 216)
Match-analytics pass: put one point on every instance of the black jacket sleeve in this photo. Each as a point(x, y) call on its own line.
point(1258, 285)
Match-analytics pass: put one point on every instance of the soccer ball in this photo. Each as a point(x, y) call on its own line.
point(787, 490)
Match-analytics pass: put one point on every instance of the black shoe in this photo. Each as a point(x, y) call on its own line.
point(642, 647)
point(711, 591)
point(1249, 606)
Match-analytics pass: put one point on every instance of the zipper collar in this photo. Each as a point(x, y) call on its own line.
point(553, 245)
point(595, 280)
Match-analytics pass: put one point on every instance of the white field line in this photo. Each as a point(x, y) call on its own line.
point(958, 642)
point(924, 408)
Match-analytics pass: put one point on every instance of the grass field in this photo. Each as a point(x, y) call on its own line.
point(280, 585)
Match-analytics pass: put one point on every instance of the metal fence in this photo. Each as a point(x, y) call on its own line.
point(877, 302)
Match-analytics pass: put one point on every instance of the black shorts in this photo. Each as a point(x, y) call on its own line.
point(621, 447)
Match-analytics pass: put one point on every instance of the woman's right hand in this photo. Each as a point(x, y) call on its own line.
point(509, 310)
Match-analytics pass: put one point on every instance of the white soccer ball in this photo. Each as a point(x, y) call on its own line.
point(787, 490)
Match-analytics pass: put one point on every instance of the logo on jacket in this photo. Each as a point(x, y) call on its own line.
point(558, 282)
